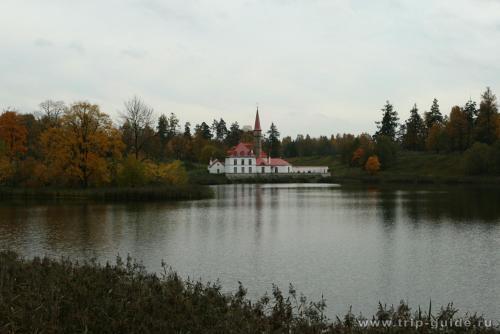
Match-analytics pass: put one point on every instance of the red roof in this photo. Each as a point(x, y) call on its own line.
point(274, 162)
point(257, 122)
point(241, 150)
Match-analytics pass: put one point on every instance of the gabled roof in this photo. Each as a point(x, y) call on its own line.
point(215, 162)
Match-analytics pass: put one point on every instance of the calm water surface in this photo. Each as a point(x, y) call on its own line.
point(354, 246)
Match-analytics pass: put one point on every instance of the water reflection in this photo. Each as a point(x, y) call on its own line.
point(354, 246)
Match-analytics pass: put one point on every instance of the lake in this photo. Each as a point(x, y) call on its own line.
point(354, 246)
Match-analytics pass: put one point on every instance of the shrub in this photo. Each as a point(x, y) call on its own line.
point(131, 172)
point(477, 160)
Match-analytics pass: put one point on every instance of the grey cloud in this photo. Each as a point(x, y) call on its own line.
point(77, 47)
point(134, 53)
point(43, 43)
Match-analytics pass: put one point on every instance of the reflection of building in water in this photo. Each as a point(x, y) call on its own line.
point(249, 158)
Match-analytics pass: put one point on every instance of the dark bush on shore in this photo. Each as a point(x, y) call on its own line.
point(149, 193)
point(47, 296)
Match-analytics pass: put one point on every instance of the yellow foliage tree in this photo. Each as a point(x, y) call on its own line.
point(372, 165)
point(13, 133)
point(173, 173)
point(83, 148)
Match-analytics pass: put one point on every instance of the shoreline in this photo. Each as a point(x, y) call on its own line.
point(110, 194)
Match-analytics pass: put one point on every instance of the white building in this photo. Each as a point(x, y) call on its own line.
point(216, 167)
point(248, 158)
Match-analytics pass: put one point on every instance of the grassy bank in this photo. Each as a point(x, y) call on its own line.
point(409, 167)
point(47, 296)
point(149, 193)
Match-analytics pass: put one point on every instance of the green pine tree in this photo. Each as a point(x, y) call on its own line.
point(433, 116)
point(414, 136)
point(387, 127)
point(273, 141)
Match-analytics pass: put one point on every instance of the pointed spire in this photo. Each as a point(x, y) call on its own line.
point(257, 121)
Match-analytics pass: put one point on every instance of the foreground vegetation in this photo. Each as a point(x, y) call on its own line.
point(48, 296)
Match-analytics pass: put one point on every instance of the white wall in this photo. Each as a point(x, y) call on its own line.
point(310, 169)
point(242, 165)
point(216, 168)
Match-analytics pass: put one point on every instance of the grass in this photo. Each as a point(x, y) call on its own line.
point(409, 167)
point(149, 193)
point(48, 296)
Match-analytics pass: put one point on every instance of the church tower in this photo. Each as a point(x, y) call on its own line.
point(257, 136)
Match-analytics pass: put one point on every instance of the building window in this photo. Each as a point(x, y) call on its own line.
point(263, 169)
point(249, 161)
point(243, 169)
point(235, 170)
point(275, 169)
point(242, 162)
point(288, 169)
point(235, 162)
point(250, 169)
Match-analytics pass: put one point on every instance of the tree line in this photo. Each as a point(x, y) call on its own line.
point(473, 129)
point(78, 144)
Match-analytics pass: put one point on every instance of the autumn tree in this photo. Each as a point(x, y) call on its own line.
point(357, 157)
point(414, 136)
point(13, 134)
point(437, 138)
point(179, 147)
point(389, 123)
point(485, 129)
point(137, 126)
point(458, 129)
point(372, 165)
point(84, 148)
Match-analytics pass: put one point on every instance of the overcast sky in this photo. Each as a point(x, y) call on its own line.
point(313, 66)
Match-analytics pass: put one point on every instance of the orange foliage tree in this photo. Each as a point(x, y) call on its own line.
point(372, 165)
point(84, 148)
point(13, 134)
point(357, 156)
